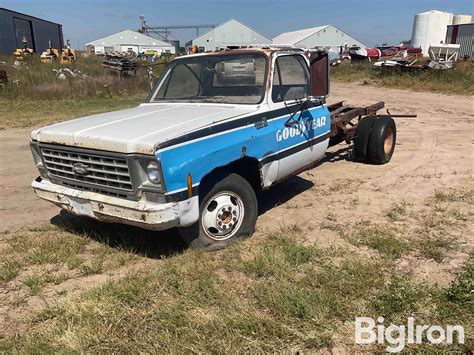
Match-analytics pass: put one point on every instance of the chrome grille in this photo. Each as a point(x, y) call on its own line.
point(97, 170)
point(92, 189)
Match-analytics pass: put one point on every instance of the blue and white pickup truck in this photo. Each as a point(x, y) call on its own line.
point(216, 128)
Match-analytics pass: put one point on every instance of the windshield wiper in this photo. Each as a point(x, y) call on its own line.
point(192, 72)
point(216, 99)
point(211, 98)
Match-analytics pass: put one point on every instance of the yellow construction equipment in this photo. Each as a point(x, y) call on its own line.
point(21, 53)
point(50, 54)
point(151, 52)
point(68, 55)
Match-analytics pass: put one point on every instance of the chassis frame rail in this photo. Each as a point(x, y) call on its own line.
point(343, 123)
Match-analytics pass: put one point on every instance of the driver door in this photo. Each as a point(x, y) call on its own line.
point(295, 129)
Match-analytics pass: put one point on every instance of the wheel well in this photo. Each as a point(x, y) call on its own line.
point(246, 167)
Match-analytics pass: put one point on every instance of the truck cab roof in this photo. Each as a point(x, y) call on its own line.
point(264, 50)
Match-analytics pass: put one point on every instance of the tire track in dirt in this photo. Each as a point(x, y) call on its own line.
point(425, 152)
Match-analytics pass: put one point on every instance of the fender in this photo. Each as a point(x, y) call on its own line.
point(201, 156)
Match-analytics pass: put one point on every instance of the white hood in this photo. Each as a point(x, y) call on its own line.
point(139, 129)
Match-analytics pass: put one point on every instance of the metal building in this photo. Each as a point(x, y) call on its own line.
point(327, 37)
point(129, 41)
point(228, 34)
point(15, 26)
point(463, 35)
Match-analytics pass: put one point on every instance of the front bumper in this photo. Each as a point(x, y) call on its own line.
point(141, 213)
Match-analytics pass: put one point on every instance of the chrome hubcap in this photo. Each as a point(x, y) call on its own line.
point(222, 215)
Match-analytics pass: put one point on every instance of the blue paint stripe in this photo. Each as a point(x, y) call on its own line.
point(199, 157)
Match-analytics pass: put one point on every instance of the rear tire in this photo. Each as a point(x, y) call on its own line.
point(227, 212)
point(382, 140)
point(361, 138)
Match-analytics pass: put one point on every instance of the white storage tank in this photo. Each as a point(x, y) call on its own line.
point(430, 28)
point(461, 19)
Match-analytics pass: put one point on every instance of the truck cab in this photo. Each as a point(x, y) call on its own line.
point(216, 128)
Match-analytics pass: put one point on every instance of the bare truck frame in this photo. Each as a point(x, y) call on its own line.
point(345, 120)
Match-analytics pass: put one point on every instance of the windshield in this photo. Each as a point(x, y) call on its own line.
point(236, 79)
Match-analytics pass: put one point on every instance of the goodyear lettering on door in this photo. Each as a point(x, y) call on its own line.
point(300, 128)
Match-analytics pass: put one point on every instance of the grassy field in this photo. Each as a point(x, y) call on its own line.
point(34, 80)
point(35, 113)
point(35, 96)
point(274, 292)
point(459, 81)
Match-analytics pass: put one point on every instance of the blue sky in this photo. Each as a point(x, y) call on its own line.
point(369, 21)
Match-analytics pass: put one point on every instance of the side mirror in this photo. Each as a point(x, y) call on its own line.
point(319, 73)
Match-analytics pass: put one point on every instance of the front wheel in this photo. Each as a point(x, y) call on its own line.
point(226, 213)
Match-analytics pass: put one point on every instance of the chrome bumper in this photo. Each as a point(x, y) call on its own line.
point(110, 209)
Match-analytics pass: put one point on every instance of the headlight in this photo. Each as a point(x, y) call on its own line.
point(147, 173)
point(37, 158)
point(153, 172)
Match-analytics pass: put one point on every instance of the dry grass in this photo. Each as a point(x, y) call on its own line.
point(273, 295)
point(391, 243)
point(37, 81)
point(454, 195)
point(397, 210)
point(29, 113)
point(287, 295)
point(35, 96)
point(49, 255)
point(274, 292)
point(431, 232)
point(457, 81)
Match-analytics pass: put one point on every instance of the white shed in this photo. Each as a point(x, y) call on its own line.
point(230, 33)
point(129, 40)
point(328, 37)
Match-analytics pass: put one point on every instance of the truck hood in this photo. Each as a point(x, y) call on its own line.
point(139, 129)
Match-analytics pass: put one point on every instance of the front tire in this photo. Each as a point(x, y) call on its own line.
point(227, 212)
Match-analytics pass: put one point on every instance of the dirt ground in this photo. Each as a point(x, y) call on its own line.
point(433, 152)
point(437, 144)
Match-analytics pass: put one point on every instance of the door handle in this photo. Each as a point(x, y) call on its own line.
point(262, 123)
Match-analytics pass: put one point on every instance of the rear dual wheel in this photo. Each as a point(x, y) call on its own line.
point(375, 139)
